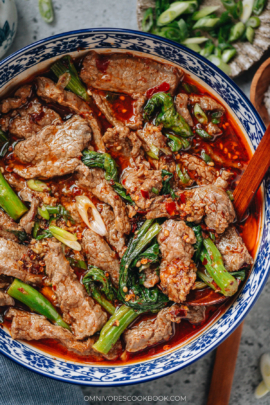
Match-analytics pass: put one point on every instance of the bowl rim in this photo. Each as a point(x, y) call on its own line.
point(245, 311)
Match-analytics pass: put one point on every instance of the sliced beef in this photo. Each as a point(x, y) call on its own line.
point(203, 174)
point(54, 151)
point(210, 202)
point(213, 129)
point(121, 141)
point(139, 181)
point(48, 91)
point(99, 254)
point(115, 238)
point(233, 249)
point(150, 136)
point(177, 270)
point(30, 120)
point(93, 180)
point(206, 103)
point(28, 220)
point(15, 262)
point(153, 331)
point(5, 299)
point(126, 73)
point(7, 225)
point(181, 103)
point(151, 277)
point(20, 98)
point(105, 107)
point(85, 316)
point(136, 121)
point(27, 326)
point(196, 314)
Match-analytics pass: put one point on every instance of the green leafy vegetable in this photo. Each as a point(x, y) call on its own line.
point(166, 186)
point(168, 116)
point(65, 65)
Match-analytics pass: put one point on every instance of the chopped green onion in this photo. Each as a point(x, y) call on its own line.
point(186, 87)
point(258, 6)
point(230, 194)
point(77, 263)
point(203, 134)
point(236, 31)
point(148, 20)
point(206, 23)
point(206, 157)
point(46, 10)
point(250, 33)
point(44, 213)
point(194, 47)
point(208, 49)
point(154, 152)
point(183, 175)
point(194, 40)
point(220, 64)
point(175, 143)
point(55, 230)
point(217, 52)
point(204, 12)
point(185, 143)
point(253, 22)
point(155, 190)
point(217, 114)
point(37, 185)
point(228, 55)
point(200, 115)
point(247, 10)
point(173, 12)
point(235, 9)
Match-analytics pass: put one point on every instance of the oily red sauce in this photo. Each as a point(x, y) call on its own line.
point(231, 147)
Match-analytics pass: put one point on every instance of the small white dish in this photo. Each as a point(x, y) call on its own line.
point(8, 24)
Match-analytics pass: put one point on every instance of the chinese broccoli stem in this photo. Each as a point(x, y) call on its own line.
point(212, 260)
point(9, 200)
point(35, 301)
point(114, 328)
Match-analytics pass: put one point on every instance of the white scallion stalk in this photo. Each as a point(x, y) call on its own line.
point(261, 390)
point(194, 47)
point(247, 10)
point(37, 185)
point(97, 225)
point(153, 152)
point(73, 244)
point(194, 40)
point(264, 386)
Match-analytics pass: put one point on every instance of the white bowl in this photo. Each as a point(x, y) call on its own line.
point(8, 24)
point(36, 57)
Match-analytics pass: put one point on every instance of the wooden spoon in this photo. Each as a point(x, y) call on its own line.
point(226, 355)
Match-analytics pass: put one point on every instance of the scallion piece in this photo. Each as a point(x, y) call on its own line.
point(208, 49)
point(37, 185)
point(253, 22)
point(175, 143)
point(194, 47)
point(46, 10)
point(174, 11)
point(220, 64)
point(250, 33)
point(227, 55)
point(206, 157)
point(200, 114)
point(205, 11)
point(206, 23)
point(247, 10)
point(44, 213)
point(194, 40)
point(148, 20)
point(203, 134)
point(236, 31)
point(258, 6)
point(183, 175)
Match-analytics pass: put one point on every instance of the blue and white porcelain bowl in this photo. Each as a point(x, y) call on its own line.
point(8, 24)
point(36, 57)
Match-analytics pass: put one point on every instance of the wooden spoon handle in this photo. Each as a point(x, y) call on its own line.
point(225, 361)
point(253, 176)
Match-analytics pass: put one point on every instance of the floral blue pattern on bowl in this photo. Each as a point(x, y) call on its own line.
point(8, 24)
point(126, 40)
